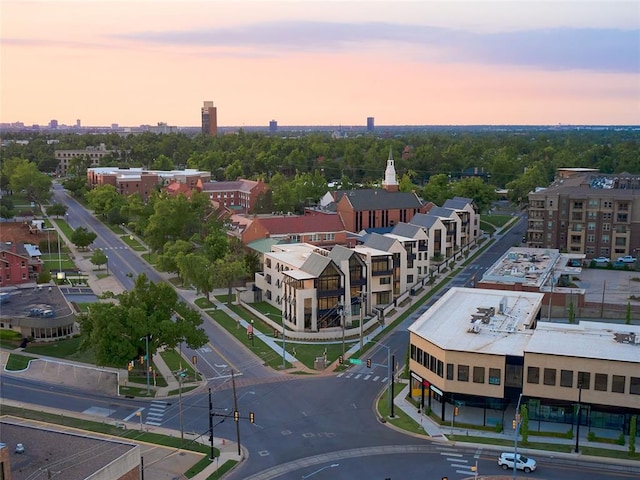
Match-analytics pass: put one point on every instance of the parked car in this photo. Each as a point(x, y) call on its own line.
point(627, 259)
point(602, 260)
point(505, 460)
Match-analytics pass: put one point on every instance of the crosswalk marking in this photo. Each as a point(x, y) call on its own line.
point(156, 413)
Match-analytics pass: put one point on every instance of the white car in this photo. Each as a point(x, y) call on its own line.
point(627, 259)
point(602, 260)
point(505, 460)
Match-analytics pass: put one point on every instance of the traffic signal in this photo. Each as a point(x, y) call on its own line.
point(513, 424)
point(141, 360)
point(130, 365)
point(194, 360)
point(236, 415)
point(340, 359)
point(456, 410)
point(252, 417)
point(150, 368)
point(250, 335)
point(368, 363)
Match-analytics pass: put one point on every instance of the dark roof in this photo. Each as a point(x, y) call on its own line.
point(315, 264)
point(379, 199)
point(340, 253)
point(379, 242)
point(406, 229)
point(302, 224)
point(457, 203)
point(425, 220)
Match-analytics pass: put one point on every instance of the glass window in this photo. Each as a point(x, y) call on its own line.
point(617, 383)
point(425, 360)
point(566, 378)
point(414, 352)
point(494, 376)
point(533, 375)
point(449, 371)
point(584, 380)
point(549, 376)
point(478, 374)
point(634, 386)
point(440, 371)
point(463, 373)
point(601, 382)
point(419, 357)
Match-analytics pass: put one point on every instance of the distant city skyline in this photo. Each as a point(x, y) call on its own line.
point(302, 62)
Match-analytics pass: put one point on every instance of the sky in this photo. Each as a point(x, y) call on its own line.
point(327, 62)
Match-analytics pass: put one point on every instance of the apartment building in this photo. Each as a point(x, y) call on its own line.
point(469, 218)
point(92, 155)
point(587, 212)
point(483, 348)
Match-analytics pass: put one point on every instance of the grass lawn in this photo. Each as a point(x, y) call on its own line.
point(497, 220)
point(10, 339)
point(52, 261)
point(133, 243)
point(64, 226)
point(17, 362)
point(175, 362)
point(66, 348)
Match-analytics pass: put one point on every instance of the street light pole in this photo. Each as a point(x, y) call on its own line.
point(342, 319)
point(146, 341)
point(577, 450)
point(107, 264)
point(363, 300)
point(284, 345)
point(515, 439)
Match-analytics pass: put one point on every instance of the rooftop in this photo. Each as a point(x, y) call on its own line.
point(531, 266)
point(605, 341)
point(497, 322)
point(294, 254)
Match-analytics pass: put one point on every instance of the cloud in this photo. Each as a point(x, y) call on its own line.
point(603, 50)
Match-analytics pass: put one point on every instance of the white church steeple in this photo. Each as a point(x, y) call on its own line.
point(390, 183)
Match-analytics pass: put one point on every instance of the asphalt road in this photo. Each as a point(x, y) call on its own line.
point(305, 427)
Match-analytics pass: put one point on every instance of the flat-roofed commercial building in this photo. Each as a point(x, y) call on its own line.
point(485, 348)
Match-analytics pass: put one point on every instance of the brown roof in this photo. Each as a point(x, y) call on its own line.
point(302, 224)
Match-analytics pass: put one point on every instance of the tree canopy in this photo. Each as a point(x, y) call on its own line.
point(82, 238)
point(116, 332)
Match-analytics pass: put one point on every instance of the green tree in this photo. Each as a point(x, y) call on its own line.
point(198, 271)
point(406, 182)
point(116, 332)
point(572, 313)
point(26, 177)
point(172, 251)
point(632, 434)
point(162, 163)
point(76, 185)
point(438, 190)
point(628, 314)
point(103, 199)
point(228, 270)
point(82, 238)
point(524, 423)
point(57, 209)
point(483, 194)
point(98, 257)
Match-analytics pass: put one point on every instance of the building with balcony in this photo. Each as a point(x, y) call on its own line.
point(469, 218)
point(484, 348)
point(586, 212)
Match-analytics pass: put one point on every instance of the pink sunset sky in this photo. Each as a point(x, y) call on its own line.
point(320, 62)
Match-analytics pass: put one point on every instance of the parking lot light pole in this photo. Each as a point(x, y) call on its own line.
point(577, 450)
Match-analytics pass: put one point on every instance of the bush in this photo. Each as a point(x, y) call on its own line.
point(498, 427)
point(621, 440)
point(591, 436)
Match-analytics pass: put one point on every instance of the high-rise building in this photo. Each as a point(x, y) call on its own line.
point(78, 123)
point(53, 124)
point(370, 124)
point(209, 119)
point(273, 126)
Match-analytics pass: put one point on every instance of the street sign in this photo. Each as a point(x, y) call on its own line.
point(355, 361)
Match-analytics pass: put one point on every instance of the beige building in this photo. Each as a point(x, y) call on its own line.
point(483, 348)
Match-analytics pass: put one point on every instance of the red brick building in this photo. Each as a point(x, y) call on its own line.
point(19, 263)
point(237, 196)
point(316, 228)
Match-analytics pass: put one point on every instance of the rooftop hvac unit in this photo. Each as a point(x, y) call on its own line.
point(502, 308)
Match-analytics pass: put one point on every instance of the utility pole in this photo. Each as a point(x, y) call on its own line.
point(181, 374)
point(146, 338)
point(342, 320)
point(393, 367)
point(213, 453)
point(284, 345)
point(235, 408)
